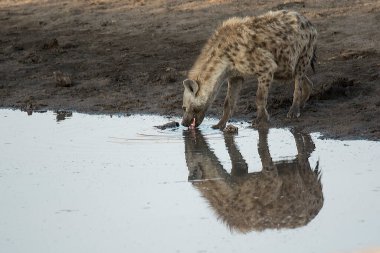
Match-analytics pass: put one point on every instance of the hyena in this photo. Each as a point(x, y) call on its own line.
point(284, 194)
point(278, 45)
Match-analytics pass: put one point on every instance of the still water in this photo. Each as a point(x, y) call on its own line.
point(93, 183)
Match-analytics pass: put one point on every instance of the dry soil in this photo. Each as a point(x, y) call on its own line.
point(115, 56)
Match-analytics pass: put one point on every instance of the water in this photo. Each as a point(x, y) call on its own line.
point(90, 183)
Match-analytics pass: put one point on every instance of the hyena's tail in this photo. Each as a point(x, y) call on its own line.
point(313, 59)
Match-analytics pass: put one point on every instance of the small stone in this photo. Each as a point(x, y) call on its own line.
point(62, 115)
point(53, 43)
point(171, 124)
point(231, 129)
point(18, 47)
point(62, 80)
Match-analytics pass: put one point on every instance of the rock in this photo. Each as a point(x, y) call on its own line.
point(171, 124)
point(62, 115)
point(231, 129)
point(62, 80)
point(53, 43)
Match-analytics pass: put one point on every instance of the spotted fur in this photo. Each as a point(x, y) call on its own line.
point(278, 45)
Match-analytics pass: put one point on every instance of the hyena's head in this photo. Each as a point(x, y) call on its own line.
point(194, 107)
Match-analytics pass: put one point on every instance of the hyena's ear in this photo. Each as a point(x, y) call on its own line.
point(191, 86)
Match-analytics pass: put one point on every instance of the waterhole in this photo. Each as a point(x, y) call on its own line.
point(73, 182)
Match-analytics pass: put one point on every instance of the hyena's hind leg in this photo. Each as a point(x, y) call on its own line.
point(307, 87)
point(234, 86)
point(302, 84)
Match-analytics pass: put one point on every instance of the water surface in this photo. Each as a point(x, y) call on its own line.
point(92, 183)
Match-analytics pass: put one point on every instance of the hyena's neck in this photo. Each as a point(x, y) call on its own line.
point(209, 71)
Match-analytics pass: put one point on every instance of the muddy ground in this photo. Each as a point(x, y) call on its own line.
point(131, 56)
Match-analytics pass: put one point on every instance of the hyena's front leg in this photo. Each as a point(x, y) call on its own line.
point(234, 86)
point(263, 65)
point(264, 82)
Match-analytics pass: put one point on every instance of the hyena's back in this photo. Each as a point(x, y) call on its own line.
point(285, 37)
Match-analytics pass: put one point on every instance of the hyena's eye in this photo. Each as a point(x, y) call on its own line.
point(184, 108)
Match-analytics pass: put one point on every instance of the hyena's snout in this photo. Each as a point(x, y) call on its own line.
point(192, 122)
point(187, 120)
point(192, 119)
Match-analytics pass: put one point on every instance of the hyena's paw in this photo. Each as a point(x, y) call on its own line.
point(262, 118)
point(219, 126)
point(294, 112)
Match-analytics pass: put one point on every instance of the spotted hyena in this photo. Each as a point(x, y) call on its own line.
point(278, 45)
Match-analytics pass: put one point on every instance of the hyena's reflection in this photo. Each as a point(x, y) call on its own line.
point(284, 194)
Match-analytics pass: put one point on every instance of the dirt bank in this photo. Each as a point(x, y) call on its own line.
point(131, 57)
